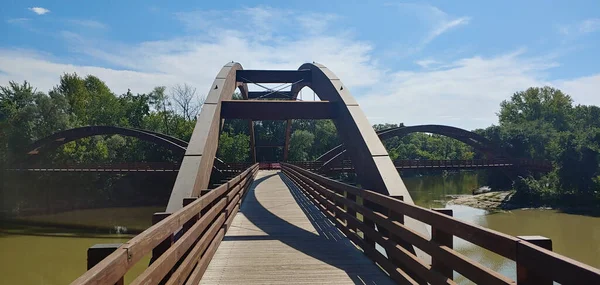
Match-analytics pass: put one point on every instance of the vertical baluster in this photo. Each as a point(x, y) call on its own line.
point(444, 239)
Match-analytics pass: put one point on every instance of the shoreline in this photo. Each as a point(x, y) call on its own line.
point(491, 201)
point(503, 201)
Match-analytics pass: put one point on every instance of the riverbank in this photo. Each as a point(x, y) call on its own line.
point(487, 201)
point(506, 200)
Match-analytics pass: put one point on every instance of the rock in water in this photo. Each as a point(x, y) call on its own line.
point(482, 189)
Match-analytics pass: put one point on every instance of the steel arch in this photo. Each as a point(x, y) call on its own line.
point(478, 142)
point(57, 139)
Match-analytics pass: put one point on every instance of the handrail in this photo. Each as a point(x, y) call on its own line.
point(218, 207)
point(382, 223)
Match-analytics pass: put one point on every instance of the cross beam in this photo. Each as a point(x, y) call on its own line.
point(258, 110)
point(273, 76)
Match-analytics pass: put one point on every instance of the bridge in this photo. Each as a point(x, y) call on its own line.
point(282, 223)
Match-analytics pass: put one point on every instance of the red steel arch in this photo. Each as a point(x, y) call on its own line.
point(57, 139)
point(478, 142)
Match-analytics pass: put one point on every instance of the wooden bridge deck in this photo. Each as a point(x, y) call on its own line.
point(280, 237)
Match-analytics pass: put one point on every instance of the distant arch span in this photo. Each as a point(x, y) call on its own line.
point(55, 140)
point(478, 142)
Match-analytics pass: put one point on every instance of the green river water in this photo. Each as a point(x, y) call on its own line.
point(42, 255)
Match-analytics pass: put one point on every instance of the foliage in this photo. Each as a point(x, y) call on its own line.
point(542, 123)
point(234, 148)
point(300, 142)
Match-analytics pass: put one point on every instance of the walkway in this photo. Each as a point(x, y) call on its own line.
point(279, 237)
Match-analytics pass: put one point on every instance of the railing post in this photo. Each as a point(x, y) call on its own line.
point(444, 239)
point(96, 253)
point(192, 221)
point(165, 244)
point(526, 276)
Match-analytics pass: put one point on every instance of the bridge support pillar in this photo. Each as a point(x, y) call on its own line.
point(98, 252)
point(444, 239)
point(525, 275)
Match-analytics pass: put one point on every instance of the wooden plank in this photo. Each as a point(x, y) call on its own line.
point(280, 237)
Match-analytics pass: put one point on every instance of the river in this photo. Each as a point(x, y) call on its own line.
point(45, 255)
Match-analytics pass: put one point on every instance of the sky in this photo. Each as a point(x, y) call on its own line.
point(418, 62)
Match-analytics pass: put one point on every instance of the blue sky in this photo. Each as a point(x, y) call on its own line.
point(447, 62)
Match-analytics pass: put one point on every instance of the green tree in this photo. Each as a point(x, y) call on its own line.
point(233, 148)
point(300, 142)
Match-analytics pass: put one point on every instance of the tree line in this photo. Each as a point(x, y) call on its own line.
point(541, 123)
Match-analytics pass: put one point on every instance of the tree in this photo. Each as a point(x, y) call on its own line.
point(546, 103)
point(186, 101)
point(233, 148)
point(300, 142)
point(162, 106)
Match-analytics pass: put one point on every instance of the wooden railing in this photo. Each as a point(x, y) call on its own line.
point(182, 243)
point(368, 218)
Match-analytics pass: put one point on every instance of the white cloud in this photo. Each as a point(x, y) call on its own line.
point(465, 92)
point(584, 90)
point(586, 26)
point(87, 24)
point(18, 20)
point(445, 26)
point(439, 22)
point(589, 26)
point(427, 63)
point(39, 10)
